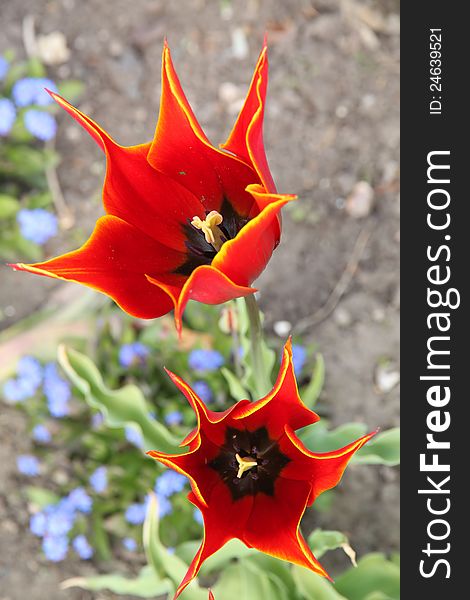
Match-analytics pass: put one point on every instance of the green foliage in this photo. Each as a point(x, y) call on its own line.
point(24, 162)
point(122, 407)
point(146, 585)
point(374, 577)
point(383, 449)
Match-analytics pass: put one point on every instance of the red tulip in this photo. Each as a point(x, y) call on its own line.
point(184, 220)
point(251, 476)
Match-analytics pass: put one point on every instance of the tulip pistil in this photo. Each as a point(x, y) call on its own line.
point(245, 464)
point(210, 228)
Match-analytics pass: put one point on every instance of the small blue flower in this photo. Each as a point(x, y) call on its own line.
point(59, 521)
point(134, 436)
point(38, 524)
point(37, 225)
point(30, 368)
point(29, 376)
point(205, 360)
point(164, 506)
point(55, 548)
point(57, 391)
point(173, 418)
point(170, 550)
point(41, 434)
point(197, 514)
point(15, 391)
point(80, 500)
point(170, 482)
point(40, 124)
point(82, 547)
point(7, 115)
point(299, 357)
point(132, 354)
point(97, 420)
point(28, 465)
point(135, 513)
point(31, 90)
point(203, 390)
point(4, 68)
point(99, 479)
point(129, 544)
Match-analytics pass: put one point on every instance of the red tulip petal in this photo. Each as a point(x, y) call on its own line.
point(181, 150)
point(274, 525)
point(323, 469)
point(205, 284)
point(281, 406)
point(246, 138)
point(100, 136)
point(206, 418)
point(114, 261)
point(244, 258)
point(211, 595)
point(218, 529)
point(135, 192)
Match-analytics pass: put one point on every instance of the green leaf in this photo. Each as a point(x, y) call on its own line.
point(318, 438)
point(244, 581)
point(9, 206)
point(314, 587)
point(233, 549)
point(236, 389)
point(321, 541)
point(383, 449)
point(161, 560)
point(146, 585)
point(71, 89)
point(311, 392)
point(40, 496)
point(374, 573)
point(122, 407)
point(276, 567)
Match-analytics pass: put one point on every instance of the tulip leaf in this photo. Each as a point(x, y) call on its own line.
point(146, 585)
point(41, 497)
point(311, 392)
point(163, 562)
point(276, 567)
point(312, 586)
point(373, 574)
point(122, 407)
point(320, 541)
point(383, 449)
point(9, 206)
point(236, 389)
point(244, 581)
point(319, 438)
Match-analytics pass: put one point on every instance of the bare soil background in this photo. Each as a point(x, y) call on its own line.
point(331, 121)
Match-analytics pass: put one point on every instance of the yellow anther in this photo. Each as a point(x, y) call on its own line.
point(244, 464)
point(210, 228)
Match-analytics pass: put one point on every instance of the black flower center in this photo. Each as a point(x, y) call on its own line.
point(249, 462)
point(201, 252)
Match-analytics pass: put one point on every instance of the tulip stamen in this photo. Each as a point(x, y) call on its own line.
point(245, 464)
point(210, 228)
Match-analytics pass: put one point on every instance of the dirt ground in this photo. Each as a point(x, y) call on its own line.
point(331, 122)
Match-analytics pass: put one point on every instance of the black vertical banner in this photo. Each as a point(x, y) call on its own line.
point(435, 321)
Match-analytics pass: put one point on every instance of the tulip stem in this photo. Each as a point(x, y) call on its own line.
point(261, 376)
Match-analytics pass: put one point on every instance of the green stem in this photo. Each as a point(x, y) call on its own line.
point(260, 374)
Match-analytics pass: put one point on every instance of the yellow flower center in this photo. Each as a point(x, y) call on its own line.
point(210, 229)
point(245, 464)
